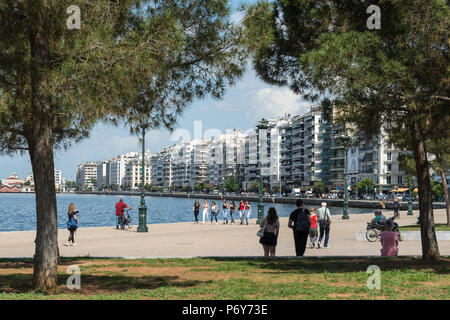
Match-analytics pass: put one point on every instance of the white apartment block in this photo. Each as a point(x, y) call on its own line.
point(102, 173)
point(161, 164)
point(117, 168)
point(133, 174)
point(86, 175)
point(226, 157)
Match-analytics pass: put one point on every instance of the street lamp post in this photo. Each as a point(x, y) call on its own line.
point(260, 126)
point(143, 208)
point(410, 212)
point(345, 141)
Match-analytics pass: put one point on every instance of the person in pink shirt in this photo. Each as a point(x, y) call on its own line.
point(389, 240)
point(313, 230)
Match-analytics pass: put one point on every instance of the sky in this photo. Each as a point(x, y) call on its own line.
point(240, 108)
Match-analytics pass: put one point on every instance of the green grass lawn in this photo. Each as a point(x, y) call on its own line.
point(437, 227)
point(226, 278)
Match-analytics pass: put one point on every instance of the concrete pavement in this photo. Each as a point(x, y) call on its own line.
point(189, 239)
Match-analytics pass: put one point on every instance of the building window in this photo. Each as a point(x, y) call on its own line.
point(400, 179)
point(389, 156)
point(389, 167)
point(388, 179)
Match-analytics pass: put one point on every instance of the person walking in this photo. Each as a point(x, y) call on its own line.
point(300, 222)
point(271, 227)
point(232, 211)
point(389, 240)
point(120, 208)
point(72, 224)
point(324, 224)
point(313, 234)
point(225, 211)
point(248, 211)
point(196, 210)
point(214, 211)
point(205, 211)
point(396, 208)
point(242, 211)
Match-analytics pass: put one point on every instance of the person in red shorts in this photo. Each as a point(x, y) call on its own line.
point(120, 207)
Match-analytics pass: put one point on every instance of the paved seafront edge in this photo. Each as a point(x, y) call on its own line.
point(369, 204)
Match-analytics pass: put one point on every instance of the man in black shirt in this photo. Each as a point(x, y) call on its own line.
point(300, 222)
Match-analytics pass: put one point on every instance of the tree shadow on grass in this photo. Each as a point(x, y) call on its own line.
point(96, 284)
point(340, 265)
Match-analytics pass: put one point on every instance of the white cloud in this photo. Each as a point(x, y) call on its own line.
point(275, 102)
point(264, 102)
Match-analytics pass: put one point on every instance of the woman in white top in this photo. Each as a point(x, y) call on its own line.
point(271, 232)
point(205, 211)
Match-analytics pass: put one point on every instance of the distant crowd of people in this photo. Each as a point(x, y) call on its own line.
point(229, 211)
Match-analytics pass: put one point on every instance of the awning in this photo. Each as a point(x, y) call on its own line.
point(399, 190)
point(404, 190)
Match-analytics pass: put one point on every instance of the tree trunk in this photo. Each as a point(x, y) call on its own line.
point(40, 143)
point(430, 249)
point(46, 253)
point(447, 201)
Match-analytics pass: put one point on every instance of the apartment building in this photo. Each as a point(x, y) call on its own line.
point(305, 150)
point(86, 175)
point(133, 174)
point(226, 157)
point(117, 168)
point(161, 171)
point(102, 173)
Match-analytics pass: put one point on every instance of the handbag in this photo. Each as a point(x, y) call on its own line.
point(260, 232)
point(326, 223)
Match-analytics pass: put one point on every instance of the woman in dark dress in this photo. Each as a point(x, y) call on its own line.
point(196, 210)
point(271, 232)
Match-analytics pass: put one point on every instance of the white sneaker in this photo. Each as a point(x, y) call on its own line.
point(326, 247)
point(74, 244)
point(67, 244)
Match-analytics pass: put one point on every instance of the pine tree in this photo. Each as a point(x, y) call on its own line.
point(140, 62)
point(395, 77)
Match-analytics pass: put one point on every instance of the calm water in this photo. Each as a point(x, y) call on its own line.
point(18, 213)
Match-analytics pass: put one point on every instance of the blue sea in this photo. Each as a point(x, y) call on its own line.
point(18, 212)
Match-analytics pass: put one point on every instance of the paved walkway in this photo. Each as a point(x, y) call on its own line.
point(189, 239)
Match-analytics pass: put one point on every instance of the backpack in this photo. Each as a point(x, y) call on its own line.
point(302, 223)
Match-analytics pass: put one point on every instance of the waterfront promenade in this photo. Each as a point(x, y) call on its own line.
point(190, 240)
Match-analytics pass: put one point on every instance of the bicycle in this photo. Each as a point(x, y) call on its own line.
point(125, 220)
point(374, 230)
